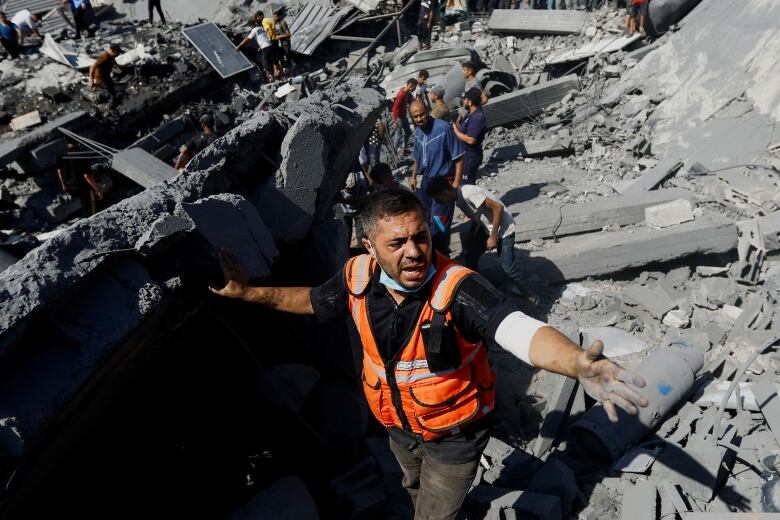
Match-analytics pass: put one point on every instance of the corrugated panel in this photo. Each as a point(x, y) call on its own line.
point(313, 25)
point(35, 6)
point(56, 20)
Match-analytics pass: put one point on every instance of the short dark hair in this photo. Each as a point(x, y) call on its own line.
point(388, 203)
point(474, 95)
point(469, 64)
point(423, 74)
point(437, 185)
point(207, 120)
point(411, 81)
point(380, 172)
point(115, 48)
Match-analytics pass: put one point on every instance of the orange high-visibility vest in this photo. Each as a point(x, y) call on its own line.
point(432, 389)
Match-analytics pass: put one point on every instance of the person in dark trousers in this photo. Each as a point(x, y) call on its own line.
point(283, 36)
point(265, 48)
point(422, 322)
point(9, 36)
point(400, 120)
point(471, 132)
point(76, 179)
point(369, 152)
point(437, 153)
point(81, 9)
point(155, 4)
point(425, 23)
point(491, 226)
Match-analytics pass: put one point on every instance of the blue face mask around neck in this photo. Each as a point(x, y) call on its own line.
point(388, 282)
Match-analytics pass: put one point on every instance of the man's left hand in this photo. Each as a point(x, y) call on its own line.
point(492, 243)
point(609, 383)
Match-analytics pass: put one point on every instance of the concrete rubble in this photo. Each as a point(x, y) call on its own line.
point(643, 177)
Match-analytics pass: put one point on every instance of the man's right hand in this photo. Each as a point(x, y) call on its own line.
point(235, 277)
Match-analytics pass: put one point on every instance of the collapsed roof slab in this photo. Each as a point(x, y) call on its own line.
point(528, 102)
point(12, 149)
point(592, 215)
point(553, 146)
point(574, 258)
point(604, 46)
point(537, 21)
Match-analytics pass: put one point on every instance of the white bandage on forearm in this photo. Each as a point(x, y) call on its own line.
point(515, 333)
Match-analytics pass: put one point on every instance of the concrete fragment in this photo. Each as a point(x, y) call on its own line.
point(617, 342)
point(652, 178)
point(232, 222)
point(488, 502)
point(25, 121)
point(285, 499)
point(578, 257)
point(706, 270)
point(590, 216)
point(552, 147)
point(751, 252)
point(603, 46)
point(695, 468)
point(507, 466)
point(636, 460)
point(162, 234)
point(655, 300)
point(555, 413)
point(537, 21)
point(141, 167)
point(669, 214)
point(640, 501)
point(766, 392)
point(677, 318)
point(528, 102)
point(770, 230)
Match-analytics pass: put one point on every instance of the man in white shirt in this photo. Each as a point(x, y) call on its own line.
point(492, 227)
point(27, 23)
point(260, 38)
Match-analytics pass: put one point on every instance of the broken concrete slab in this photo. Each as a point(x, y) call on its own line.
point(573, 258)
point(488, 502)
point(163, 234)
point(590, 216)
point(556, 478)
point(751, 252)
point(552, 147)
point(766, 394)
point(231, 222)
point(604, 46)
point(141, 167)
point(537, 21)
point(617, 343)
point(669, 214)
point(640, 501)
point(25, 121)
point(555, 414)
point(770, 230)
point(11, 149)
point(528, 102)
point(654, 300)
point(652, 178)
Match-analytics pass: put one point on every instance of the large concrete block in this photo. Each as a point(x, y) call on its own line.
point(528, 102)
point(592, 255)
point(231, 222)
point(537, 21)
point(669, 214)
point(590, 216)
point(652, 178)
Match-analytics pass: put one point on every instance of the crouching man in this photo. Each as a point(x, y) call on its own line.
point(423, 321)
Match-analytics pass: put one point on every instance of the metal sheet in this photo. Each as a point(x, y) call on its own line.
point(367, 6)
point(312, 26)
point(35, 6)
point(217, 48)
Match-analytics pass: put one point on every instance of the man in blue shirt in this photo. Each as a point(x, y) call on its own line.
point(471, 133)
point(437, 153)
point(9, 36)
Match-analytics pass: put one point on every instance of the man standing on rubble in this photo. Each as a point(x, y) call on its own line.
point(9, 36)
point(194, 146)
point(400, 120)
point(264, 46)
point(80, 10)
point(440, 109)
point(283, 36)
point(423, 322)
point(471, 132)
point(437, 153)
point(76, 179)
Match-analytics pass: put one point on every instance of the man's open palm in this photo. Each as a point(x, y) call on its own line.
point(608, 382)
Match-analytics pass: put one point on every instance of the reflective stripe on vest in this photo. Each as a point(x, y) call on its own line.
point(407, 366)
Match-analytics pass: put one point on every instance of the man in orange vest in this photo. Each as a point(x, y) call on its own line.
point(423, 321)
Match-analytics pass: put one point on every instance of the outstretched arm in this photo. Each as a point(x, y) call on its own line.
point(601, 378)
point(295, 300)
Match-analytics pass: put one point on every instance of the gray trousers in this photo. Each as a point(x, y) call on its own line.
point(437, 489)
